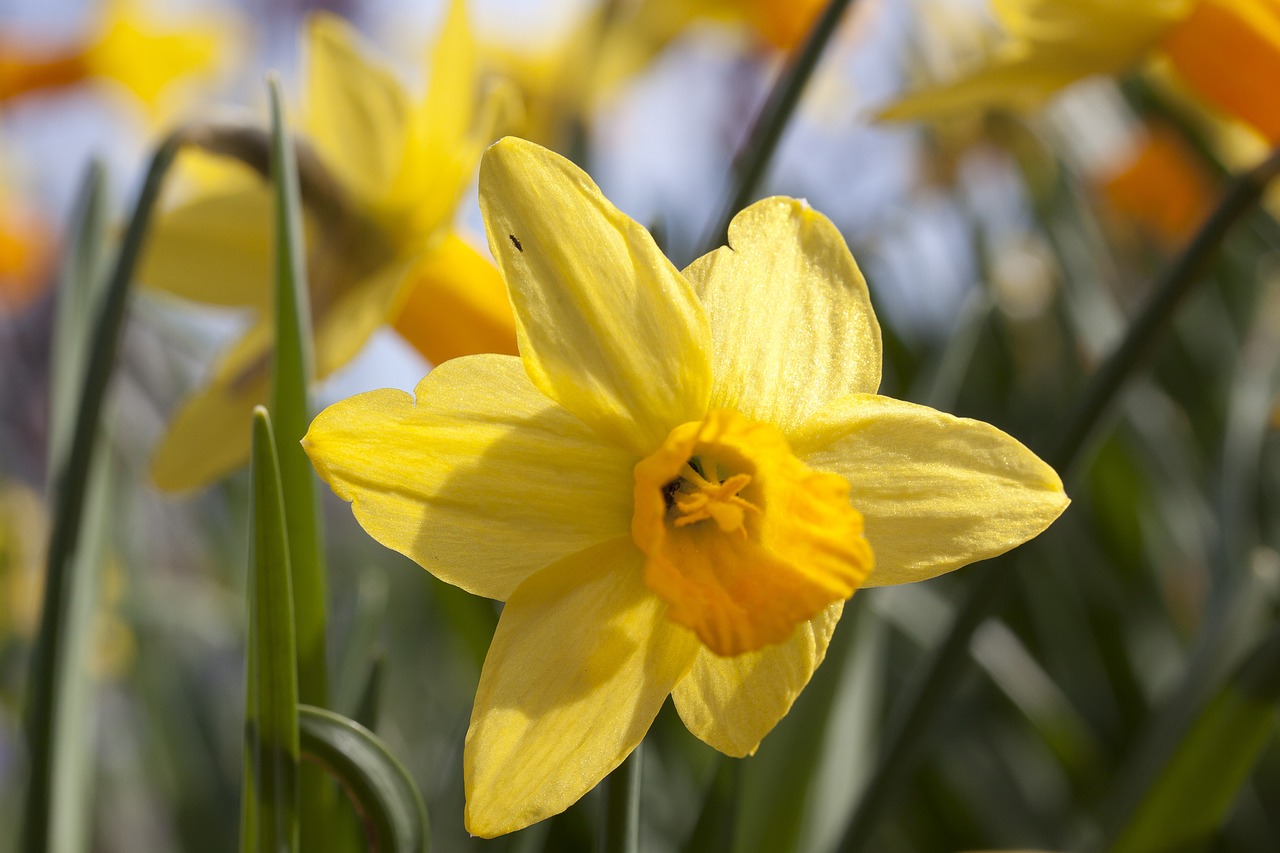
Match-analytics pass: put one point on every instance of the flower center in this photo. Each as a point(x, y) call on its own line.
point(742, 539)
point(696, 496)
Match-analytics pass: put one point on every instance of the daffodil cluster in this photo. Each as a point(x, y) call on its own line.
point(674, 488)
point(1226, 51)
point(389, 255)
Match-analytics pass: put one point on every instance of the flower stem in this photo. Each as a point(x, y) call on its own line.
point(620, 819)
point(946, 666)
point(763, 140)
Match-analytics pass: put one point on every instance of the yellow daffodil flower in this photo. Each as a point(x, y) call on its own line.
point(674, 488)
point(573, 75)
point(26, 253)
point(1162, 187)
point(130, 48)
point(1227, 51)
point(402, 167)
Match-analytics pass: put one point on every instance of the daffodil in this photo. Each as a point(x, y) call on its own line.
point(400, 168)
point(674, 487)
point(26, 252)
point(608, 46)
point(1227, 51)
point(129, 47)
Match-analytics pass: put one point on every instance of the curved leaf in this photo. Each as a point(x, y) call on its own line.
point(379, 786)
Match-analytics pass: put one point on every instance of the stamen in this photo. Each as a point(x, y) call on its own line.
point(718, 501)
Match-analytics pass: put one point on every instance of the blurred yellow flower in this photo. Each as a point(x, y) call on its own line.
point(24, 530)
point(130, 48)
point(24, 535)
point(1227, 51)
point(402, 168)
point(1162, 186)
point(26, 253)
point(669, 486)
point(571, 76)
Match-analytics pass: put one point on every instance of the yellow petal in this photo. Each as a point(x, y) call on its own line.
point(345, 322)
point(356, 112)
point(145, 59)
point(582, 660)
point(210, 434)
point(447, 131)
point(214, 249)
point(1229, 52)
point(1053, 44)
point(731, 703)
point(791, 321)
point(1102, 24)
point(607, 326)
point(457, 305)
point(936, 492)
point(482, 481)
point(1012, 80)
point(453, 89)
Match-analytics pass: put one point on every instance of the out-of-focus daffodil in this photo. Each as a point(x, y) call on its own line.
point(24, 531)
point(573, 74)
point(24, 527)
point(1227, 51)
point(402, 167)
point(778, 23)
point(130, 48)
point(26, 253)
point(1162, 186)
point(674, 488)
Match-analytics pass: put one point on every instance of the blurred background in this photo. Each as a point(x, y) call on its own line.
point(1006, 253)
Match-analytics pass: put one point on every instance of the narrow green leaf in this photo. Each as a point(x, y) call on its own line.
point(73, 731)
point(291, 374)
point(620, 820)
point(753, 160)
point(380, 788)
point(269, 812)
point(77, 300)
point(74, 309)
point(50, 656)
point(1202, 778)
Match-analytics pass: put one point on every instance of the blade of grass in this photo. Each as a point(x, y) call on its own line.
point(765, 134)
point(76, 301)
point(620, 819)
point(269, 809)
point(74, 309)
point(73, 740)
point(1194, 793)
point(49, 659)
point(942, 671)
point(291, 376)
point(292, 373)
point(382, 791)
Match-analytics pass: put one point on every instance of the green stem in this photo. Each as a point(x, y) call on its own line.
point(767, 131)
point(620, 821)
point(48, 655)
point(942, 672)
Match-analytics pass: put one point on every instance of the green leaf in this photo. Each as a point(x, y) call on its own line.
point(77, 299)
point(53, 653)
point(291, 374)
point(1202, 778)
point(620, 817)
point(380, 788)
point(75, 306)
point(269, 810)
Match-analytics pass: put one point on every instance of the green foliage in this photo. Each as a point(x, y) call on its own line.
point(269, 799)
